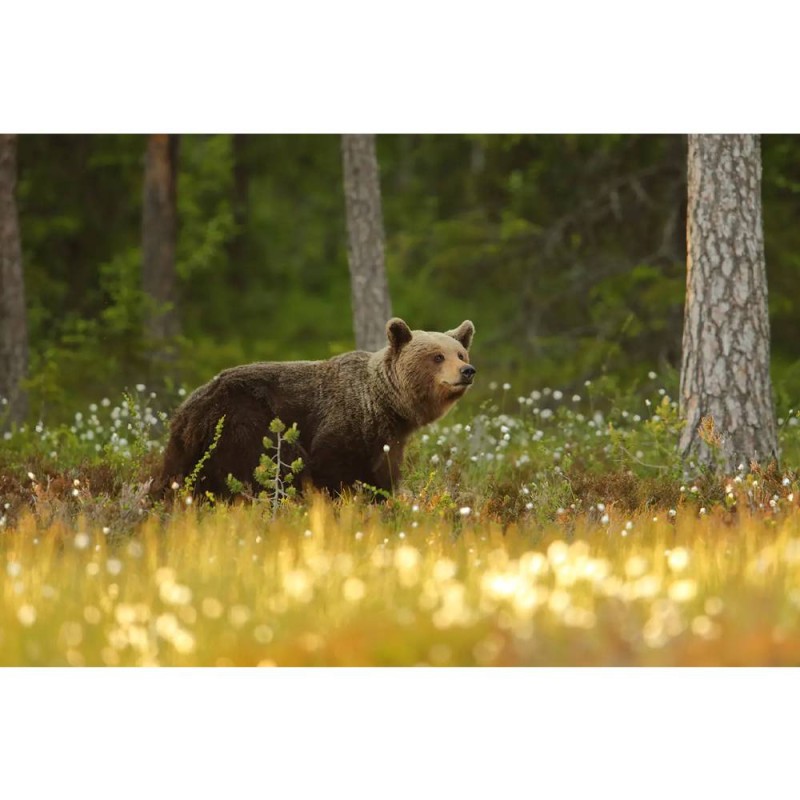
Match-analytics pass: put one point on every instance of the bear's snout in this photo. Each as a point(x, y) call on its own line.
point(468, 372)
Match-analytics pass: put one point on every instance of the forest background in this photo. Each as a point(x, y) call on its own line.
point(568, 252)
point(597, 67)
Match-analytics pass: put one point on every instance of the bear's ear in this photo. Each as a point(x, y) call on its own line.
point(397, 332)
point(463, 333)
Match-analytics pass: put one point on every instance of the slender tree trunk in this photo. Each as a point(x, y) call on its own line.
point(369, 288)
point(726, 393)
point(159, 235)
point(13, 320)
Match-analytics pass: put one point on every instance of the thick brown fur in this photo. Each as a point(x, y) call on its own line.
point(346, 409)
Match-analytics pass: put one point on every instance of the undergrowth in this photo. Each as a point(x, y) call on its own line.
point(538, 528)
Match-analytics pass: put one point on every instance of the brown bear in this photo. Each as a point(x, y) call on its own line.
point(347, 410)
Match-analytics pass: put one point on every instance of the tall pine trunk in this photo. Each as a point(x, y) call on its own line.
point(159, 237)
point(726, 392)
point(13, 320)
point(368, 285)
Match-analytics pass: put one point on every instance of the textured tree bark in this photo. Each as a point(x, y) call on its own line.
point(726, 392)
point(159, 235)
point(13, 319)
point(369, 288)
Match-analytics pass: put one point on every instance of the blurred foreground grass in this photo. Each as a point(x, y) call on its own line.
point(349, 584)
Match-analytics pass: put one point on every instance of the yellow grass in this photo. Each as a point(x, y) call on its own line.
point(344, 585)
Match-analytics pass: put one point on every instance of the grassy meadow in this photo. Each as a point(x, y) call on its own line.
point(541, 528)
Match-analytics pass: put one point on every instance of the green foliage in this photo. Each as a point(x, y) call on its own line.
point(541, 455)
point(123, 437)
point(191, 480)
point(204, 206)
point(234, 485)
point(275, 474)
point(567, 251)
point(373, 492)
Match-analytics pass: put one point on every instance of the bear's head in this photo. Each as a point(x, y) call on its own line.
point(431, 370)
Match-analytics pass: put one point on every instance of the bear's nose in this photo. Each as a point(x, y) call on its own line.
point(468, 371)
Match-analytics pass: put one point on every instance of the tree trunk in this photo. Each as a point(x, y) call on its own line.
point(726, 393)
point(369, 288)
point(159, 236)
point(13, 320)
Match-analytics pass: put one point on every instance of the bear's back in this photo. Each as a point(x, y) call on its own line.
point(305, 392)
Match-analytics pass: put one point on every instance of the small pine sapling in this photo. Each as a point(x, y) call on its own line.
point(272, 472)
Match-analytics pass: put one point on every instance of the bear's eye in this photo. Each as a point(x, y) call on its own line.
point(461, 356)
point(438, 358)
